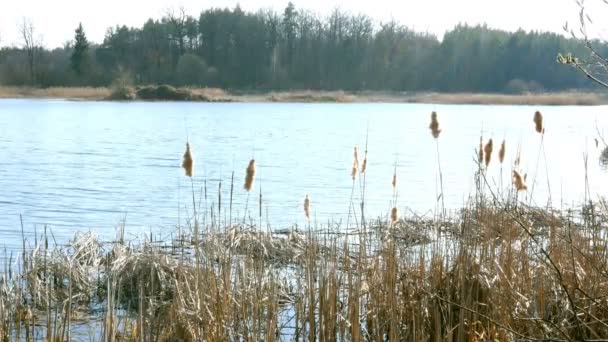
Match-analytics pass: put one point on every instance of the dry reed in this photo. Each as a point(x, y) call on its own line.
point(434, 126)
point(307, 207)
point(188, 162)
point(355, 168)
point(538, 122)
point(250, 176)
point(519, 181)
point(502, 151)
point(487, 150)
point(394, 215)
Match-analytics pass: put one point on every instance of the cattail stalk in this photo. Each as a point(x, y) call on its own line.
point(519, 181)
point(487, 150)
point(250, 176)
point(188, 162)
point(434, 126)
point(307, 207)
point(502, 151)
point(480, 151)
point(394, 215)
point(538, 122)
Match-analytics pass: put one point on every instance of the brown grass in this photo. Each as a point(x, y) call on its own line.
point(220, 95)
point(75, 93)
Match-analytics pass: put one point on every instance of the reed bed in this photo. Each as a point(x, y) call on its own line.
point(496, 270)
point(500, 271)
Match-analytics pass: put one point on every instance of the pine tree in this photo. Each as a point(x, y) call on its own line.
point(80, 55)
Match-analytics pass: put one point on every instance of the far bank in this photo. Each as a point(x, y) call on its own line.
point(168, 93)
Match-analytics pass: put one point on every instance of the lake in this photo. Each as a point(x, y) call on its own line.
point(88, 165)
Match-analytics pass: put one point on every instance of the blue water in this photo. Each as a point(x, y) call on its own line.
point(90, 165)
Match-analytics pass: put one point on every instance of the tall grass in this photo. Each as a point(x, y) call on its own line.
point(500, 270)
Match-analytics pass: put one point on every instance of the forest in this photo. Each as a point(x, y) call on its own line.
point(298, 49)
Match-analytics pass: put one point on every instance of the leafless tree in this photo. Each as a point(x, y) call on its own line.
point(595, 66)
point(178, 24)
point(27, 32)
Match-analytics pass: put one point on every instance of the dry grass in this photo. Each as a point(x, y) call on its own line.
point(220, 95)
point(507, 274)
point(75, 93)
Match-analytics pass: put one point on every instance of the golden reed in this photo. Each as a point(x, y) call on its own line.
point(250, 176)
point(519, 181)
point(487, 150)
point(307, 207)
point(434, 126)
point(355, 169)
point(394, 215)
point(538, 122)
point(188, 162)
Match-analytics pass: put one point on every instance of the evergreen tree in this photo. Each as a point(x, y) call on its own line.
point(80, 56)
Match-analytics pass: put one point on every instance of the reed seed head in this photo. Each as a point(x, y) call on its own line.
point(307, 207)
point(394, 215)
point(394, 182)
point(538, 122)
point(434, 126)
point(364, 165)
point(355, 169)
point(519, 181)
point(250, 176)
point(188, 162)
point(487, 150)
point(502, 151)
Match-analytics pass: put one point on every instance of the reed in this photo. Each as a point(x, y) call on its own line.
point(249, 176)
point(487, 151)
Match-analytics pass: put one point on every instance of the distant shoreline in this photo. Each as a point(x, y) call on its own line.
point(568, 98)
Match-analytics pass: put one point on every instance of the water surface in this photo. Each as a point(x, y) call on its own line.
point(90, 165)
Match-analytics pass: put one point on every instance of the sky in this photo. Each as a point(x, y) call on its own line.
point(55, 21)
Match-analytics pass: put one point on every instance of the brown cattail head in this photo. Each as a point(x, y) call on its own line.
point(487, 150)
point(307, 207)
point(480, 151)
point(502, 151)
point(188, 162)
point(519, 181)
point(394, 179)
point(434, 126)
point(394, 215)
point(355, 169)
point(538, 122)
point(364, 165)
point(250, 177)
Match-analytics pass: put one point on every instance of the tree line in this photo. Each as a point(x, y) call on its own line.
point(298, 49)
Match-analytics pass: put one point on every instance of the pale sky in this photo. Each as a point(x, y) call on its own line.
point(56, 20)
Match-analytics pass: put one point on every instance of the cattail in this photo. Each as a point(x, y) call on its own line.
point(307, 207)
point(250, 177)
point(480, 151)
point(394, 179)
point(394, 215)
point(502, 151)
point(356, 155)
point(538, 122)
point(364, 164)
point(519, 181)
point(188, 162)
point(355, 169)
point(434, 126)
point(487, 150)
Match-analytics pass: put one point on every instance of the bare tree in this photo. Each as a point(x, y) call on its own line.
point(27, 31)
point(595, 67)
point(178, 25)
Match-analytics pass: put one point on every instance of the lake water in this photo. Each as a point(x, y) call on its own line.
point(88, 165)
